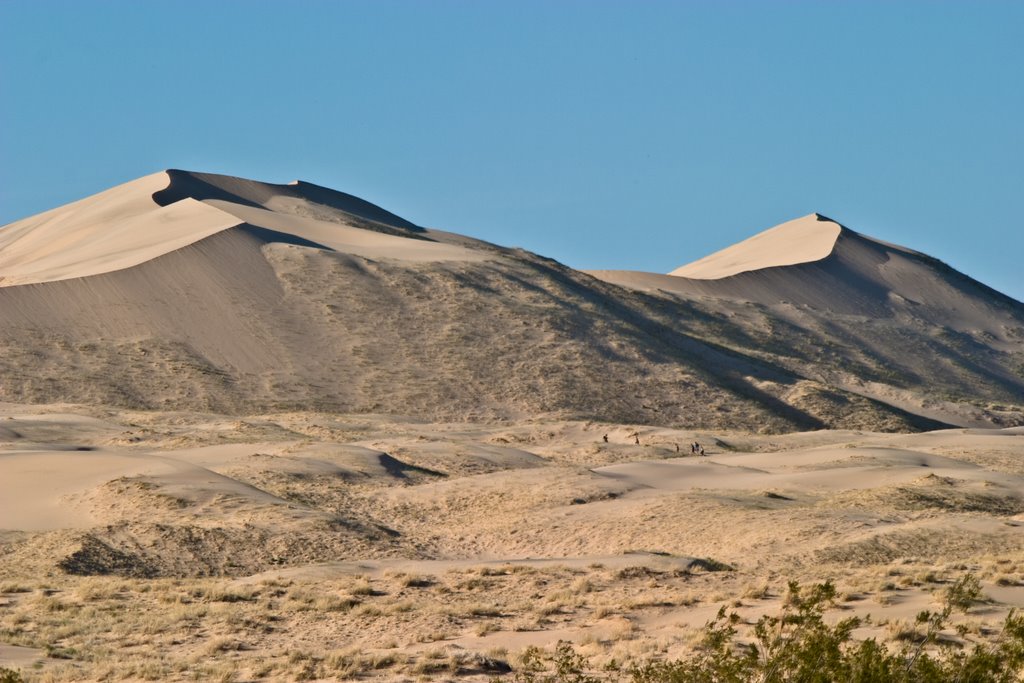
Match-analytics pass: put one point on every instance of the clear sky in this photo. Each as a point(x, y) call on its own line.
point(632, 135)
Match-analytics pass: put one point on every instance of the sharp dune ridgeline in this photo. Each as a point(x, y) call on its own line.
point(186, 290)
point(860, 315)
point(252, 431)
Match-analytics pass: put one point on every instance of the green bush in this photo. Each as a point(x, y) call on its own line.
point(10, 676)
point(797, 645)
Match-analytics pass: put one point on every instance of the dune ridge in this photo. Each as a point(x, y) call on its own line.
point(802, 240)
point(871, 317)
point(290, 197)
point(160, 213)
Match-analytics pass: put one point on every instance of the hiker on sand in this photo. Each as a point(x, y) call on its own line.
point(637, 437)
point(606, 438)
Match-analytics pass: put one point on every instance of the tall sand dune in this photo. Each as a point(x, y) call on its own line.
point(190, 290)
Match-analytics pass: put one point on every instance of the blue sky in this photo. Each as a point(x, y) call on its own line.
point(634, 135)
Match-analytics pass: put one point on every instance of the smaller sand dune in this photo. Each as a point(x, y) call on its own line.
point(43, 490)
point(36, 486)
point(806, 239)
point(828, 469)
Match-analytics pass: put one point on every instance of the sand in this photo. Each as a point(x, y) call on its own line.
point(805, 239)
point(861, 314)
point(193, 291)
point(391, 545)
point(125, 227)
point(253, 431)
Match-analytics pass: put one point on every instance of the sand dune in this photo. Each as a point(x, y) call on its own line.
point(296, 296)
point(819, 469)
point(815, 263)
point(810, 238)
point(136, 222)
point(390, 540)
point(113, 230)
point(864, 315)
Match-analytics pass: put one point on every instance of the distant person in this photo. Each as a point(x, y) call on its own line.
point(702, 450)
point(637, 437)
point(606, 438)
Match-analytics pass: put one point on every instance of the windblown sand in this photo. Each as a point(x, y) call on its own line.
point(321, 533)
point(174, 546)
point(802, 240)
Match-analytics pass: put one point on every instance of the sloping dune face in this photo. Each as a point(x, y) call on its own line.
point(160, 213)
point(806, 239)
point(816, 263)
point(298, 197)
point(116, 229)
point(313, 216)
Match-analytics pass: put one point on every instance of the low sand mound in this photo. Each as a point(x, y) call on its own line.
point(820, 469)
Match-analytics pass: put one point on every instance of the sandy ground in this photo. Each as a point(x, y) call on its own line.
point(319, 534)
point(176, 546)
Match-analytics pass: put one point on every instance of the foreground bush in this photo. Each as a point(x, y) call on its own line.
point(798, 645)
point(9, 676)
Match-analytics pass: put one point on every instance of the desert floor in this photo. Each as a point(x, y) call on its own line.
point(301, 546)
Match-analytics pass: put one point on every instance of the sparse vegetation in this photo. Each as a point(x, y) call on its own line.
point(204, 595)
point(799, 645)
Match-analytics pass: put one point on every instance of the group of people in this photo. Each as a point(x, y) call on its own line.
point(695, 448)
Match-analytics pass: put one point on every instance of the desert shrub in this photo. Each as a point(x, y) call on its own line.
point(963, 594)
point(10, 676)
point(798, 645)
point(568, 666)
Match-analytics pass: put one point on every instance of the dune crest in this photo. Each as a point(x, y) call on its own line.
point(806, 239)
point(298, 197)
point(160, 213)
point(112, 230)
